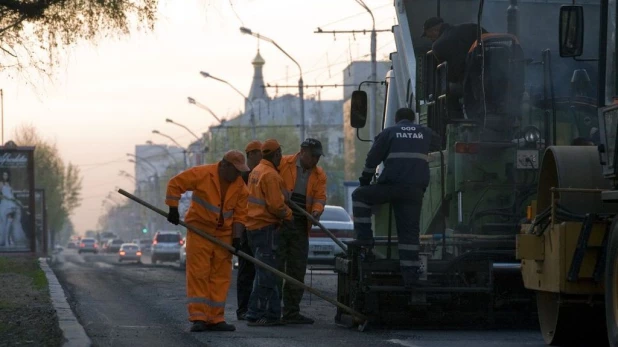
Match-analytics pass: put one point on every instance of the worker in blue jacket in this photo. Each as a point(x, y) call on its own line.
point(403, 148)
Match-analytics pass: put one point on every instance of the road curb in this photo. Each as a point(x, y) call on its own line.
point(73, 331)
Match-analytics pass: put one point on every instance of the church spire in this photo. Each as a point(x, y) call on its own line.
point(257, 89)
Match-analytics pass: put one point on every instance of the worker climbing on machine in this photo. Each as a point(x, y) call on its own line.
point(267, 216)
point(306, 184)
point(219, 208)
point(246, 269)
point(403, 148)
point(451, 44)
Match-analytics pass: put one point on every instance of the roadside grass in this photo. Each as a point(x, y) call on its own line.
point(29, 268)
point(27, 316)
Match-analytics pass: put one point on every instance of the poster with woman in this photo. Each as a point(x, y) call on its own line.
point(17, 199)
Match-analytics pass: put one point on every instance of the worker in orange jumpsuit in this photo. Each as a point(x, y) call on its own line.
point(246, 269)
point(219, 208)
point(305, 183)
point(267, 212)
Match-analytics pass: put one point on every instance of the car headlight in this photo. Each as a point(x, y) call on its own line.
point(532, 134)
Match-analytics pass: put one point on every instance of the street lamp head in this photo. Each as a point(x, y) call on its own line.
point(169, 120)
point(204, 74)
point(149, 142)
point(191, 100)
point(131, 161)
point(129, 155)
point(155, 132)
point(245, 31)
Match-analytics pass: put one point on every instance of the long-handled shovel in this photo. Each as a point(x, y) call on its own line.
point(362, 318)
point(316, 222)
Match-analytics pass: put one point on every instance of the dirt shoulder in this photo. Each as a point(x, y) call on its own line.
point(27, 316)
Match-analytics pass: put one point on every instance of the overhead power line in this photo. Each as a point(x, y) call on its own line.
point(363, 31)
point(309, 86)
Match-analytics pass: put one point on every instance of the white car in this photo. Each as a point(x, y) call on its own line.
point(166, 246)
point(322, 249)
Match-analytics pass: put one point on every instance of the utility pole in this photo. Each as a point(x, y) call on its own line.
point(374, 86)
point(372, 97)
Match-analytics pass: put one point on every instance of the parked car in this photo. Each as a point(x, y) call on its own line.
point(71, 245)
point(113, 246)
point(166, 246)
point(322, 249)
point(129, 251)
point(88, 245)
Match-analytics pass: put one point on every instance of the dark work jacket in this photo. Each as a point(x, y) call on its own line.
point(453, 45)
point(245, 176)
point(403, 149)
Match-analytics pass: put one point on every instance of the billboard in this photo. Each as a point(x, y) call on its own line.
point(17, 216)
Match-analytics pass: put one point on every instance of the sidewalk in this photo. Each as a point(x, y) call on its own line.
point(33, 308)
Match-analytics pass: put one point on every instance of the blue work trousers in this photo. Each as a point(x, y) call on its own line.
point(265, 301)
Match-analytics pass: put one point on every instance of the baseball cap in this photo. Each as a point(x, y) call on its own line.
point(254, 145)
point(269, 146)
point(237, 158)
point(430, 23)
point(314, 145)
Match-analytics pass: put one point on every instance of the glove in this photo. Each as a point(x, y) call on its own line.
point(316, 215)
point(173, 216)
point(364, 181)
point(236, 244)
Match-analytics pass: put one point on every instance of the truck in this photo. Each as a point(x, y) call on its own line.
point(518, 100)
point(569, 247)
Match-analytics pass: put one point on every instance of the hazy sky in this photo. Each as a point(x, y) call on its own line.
point(109, 97)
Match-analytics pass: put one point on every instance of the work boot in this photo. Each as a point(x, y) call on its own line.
point(198, 326)
point(241, 316)
point(297, 319)
point(221, 326)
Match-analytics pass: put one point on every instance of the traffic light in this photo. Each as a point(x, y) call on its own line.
point(145, 230)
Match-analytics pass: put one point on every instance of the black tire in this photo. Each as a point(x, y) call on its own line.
point(153, 259)
point(611, 286)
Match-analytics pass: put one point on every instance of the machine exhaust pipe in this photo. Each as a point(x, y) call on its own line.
point(506, 267)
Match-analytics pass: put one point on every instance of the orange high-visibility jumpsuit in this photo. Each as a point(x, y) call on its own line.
point(215, 206)
point(316, 185)
point(267, 197)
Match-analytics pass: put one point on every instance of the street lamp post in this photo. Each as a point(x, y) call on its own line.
point(199, 140)
point(372, 101)
point(207, 75)
point(220, 120)
point(300, 80)
point(154, 168)
point(184, 151)
point(166, 151)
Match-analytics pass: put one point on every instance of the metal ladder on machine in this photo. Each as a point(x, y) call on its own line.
point(583, 246)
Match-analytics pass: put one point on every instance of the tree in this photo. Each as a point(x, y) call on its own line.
point(62, 182)
point(33, 31)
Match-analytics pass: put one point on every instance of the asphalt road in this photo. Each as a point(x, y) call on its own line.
point(122, 304)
